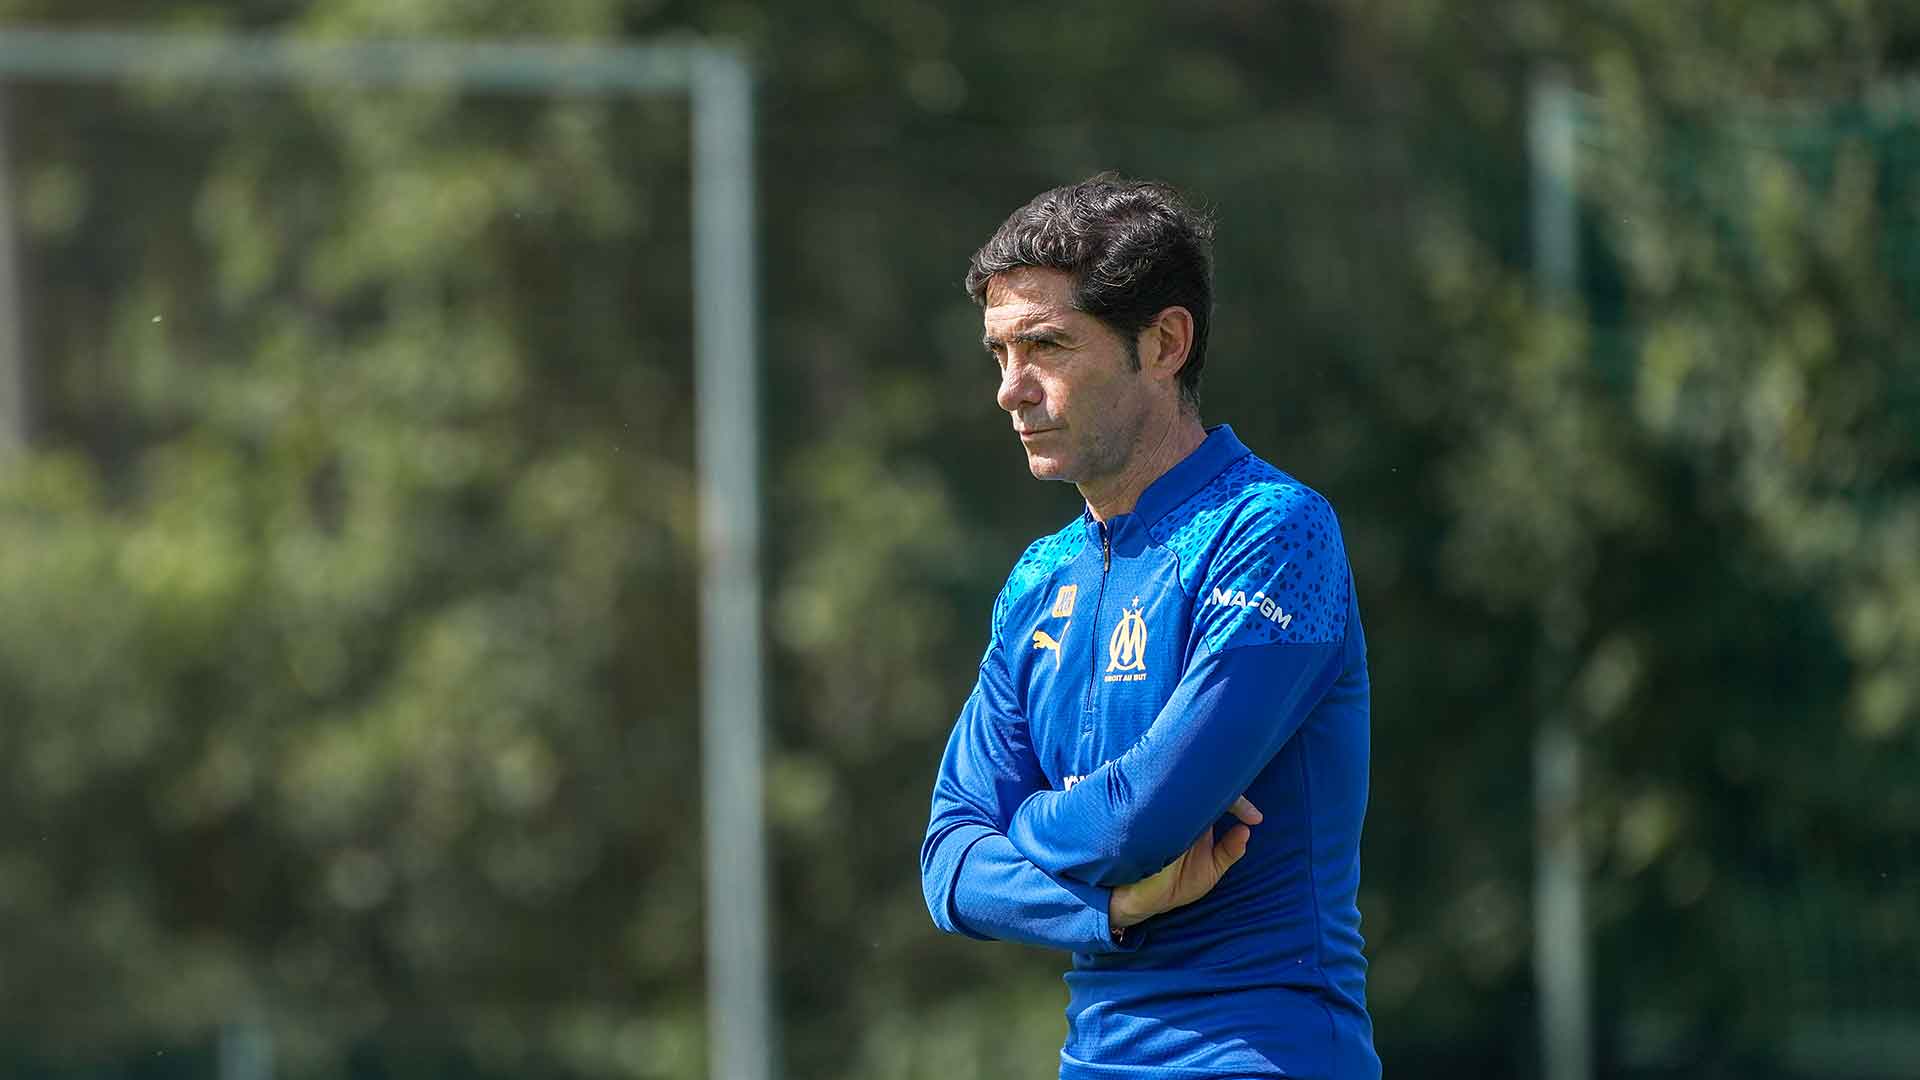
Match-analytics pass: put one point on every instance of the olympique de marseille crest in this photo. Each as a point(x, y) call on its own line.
point(1127, 648)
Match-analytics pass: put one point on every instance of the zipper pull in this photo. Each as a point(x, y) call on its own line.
point(1106, 549)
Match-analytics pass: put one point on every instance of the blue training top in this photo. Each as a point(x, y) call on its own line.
point(1141, 675)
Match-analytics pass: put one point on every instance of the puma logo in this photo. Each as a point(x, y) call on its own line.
point(1044, 640)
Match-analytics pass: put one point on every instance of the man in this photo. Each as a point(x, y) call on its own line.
point(1163, 765)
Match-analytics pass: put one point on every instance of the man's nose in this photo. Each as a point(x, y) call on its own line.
point(1018, 387)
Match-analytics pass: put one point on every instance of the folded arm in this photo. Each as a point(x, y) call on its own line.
point(1229, 716)
point(974, 880)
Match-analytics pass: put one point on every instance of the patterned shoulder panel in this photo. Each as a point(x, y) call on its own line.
point(1037, 565)
point(1262, 557)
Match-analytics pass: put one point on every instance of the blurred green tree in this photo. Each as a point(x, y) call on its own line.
point(345, 621)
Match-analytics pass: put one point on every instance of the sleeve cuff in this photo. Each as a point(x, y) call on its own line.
point(1097, 898)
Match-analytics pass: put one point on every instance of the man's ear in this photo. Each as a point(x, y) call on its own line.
point(1165, 342)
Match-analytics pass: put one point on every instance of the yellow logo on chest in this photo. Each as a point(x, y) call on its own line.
point(1062, 609)
point(1127, 648)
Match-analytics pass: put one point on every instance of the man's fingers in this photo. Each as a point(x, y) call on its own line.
point(1230, 847)
point(1248, 813)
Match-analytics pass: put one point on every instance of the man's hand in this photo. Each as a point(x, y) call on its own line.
point(1189, 877)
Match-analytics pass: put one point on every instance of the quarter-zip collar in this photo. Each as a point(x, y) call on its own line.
point(1220, 449)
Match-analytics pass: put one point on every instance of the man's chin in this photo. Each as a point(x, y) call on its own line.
point(1046, 468)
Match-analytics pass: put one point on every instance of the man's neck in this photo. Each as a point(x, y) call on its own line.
point(1181, 435)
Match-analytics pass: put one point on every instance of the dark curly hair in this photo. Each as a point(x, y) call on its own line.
point(1134, 248)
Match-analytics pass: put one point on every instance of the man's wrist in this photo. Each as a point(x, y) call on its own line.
point(1120, 924)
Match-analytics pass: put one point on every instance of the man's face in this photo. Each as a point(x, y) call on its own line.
point(1068, 380)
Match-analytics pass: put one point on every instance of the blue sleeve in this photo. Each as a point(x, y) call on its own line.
point(975, 883)
point(1258, 667)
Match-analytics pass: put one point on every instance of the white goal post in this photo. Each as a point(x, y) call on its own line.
point(718, 83)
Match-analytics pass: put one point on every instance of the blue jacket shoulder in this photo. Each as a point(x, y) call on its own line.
point(1255, 533)
point(1036, 567)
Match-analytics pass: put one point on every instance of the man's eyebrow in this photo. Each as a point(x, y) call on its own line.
point(1045, 335)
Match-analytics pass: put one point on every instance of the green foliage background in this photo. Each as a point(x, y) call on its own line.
point(346, 630)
